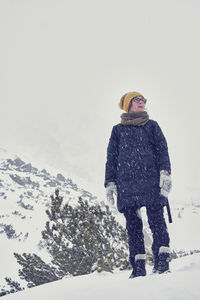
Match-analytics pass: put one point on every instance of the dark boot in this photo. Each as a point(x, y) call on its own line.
point(163, 263)
point(139, 269)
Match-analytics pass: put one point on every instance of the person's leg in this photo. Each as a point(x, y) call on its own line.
point(160, 246)
point(134, 227)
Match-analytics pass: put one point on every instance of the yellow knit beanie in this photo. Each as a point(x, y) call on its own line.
point(126, 99)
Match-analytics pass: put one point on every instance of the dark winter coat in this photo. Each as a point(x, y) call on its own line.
point(135, 156)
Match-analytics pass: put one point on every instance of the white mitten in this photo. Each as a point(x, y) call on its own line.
point(165, 183)
point(111, 190)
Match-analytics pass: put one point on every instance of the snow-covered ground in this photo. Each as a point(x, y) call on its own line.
point(181, 284)
point(184, 239)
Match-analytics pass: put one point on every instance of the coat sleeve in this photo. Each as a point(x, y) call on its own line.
point(112, 158)
point(161, 149)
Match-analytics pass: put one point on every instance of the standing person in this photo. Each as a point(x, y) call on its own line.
point(138, 172)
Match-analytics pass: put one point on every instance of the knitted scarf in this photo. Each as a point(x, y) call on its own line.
point(135, 118)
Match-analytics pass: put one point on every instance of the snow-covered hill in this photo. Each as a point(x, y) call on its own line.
point(25, 195)
point(182, 283)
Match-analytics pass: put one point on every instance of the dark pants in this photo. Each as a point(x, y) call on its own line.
point(134, 227)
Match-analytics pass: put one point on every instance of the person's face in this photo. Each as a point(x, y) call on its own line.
point(137, 106)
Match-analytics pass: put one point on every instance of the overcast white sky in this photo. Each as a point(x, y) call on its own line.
point(65, 64)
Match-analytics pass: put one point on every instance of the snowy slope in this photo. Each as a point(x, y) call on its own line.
point(25, 195)
point(181, 284)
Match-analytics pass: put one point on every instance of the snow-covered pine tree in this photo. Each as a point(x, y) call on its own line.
point(80, 239)
point(34, 270)
point(84, 238)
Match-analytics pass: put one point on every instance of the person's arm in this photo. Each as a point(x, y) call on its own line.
point(112, 158)
point(161, 149)
point(163, 160)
